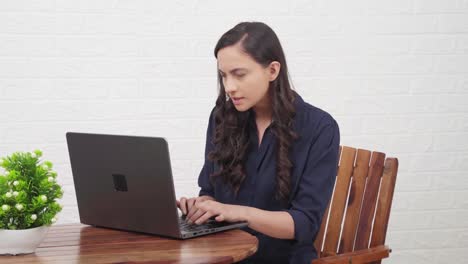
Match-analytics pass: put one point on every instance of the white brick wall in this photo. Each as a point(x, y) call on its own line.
point(393, 73)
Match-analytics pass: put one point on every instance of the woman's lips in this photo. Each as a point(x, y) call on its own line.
point(237, 100)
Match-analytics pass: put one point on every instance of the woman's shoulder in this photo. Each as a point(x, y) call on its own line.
point(311, 119)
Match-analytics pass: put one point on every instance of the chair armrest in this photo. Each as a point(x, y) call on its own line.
point(359, 256)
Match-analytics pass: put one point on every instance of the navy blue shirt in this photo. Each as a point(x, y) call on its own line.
point(315, 158)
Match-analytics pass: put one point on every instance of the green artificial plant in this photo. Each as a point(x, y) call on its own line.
point(28, 191)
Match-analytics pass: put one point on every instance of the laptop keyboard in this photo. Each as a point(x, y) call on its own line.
point(184, 226)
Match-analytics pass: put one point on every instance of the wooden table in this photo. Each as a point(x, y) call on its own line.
point(77, 243)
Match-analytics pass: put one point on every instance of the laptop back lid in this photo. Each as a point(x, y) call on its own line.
point(124, 182)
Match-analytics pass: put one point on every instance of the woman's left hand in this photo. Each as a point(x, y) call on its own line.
point(223, 212)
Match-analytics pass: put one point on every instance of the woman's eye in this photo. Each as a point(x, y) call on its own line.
point(240, 75)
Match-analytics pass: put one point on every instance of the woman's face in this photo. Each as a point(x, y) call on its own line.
point(245, 81)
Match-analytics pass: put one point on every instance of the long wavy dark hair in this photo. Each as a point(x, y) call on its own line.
point(231, 138)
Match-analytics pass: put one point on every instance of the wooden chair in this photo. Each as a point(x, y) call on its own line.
point(372, 178)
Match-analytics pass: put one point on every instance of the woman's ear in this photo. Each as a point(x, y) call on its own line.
point(273, 70)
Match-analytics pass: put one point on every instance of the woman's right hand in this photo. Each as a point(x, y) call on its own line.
point(186, 205)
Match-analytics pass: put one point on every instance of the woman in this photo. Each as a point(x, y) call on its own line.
point(271, 158)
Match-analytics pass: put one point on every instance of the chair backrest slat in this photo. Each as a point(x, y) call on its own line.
point(384, 203)
point(358, 183)
point(318, 243)
point(369, 200)
point(338, 204)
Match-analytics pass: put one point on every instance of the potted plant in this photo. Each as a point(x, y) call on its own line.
point(28, 206)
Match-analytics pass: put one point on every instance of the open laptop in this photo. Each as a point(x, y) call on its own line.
point(125, 182)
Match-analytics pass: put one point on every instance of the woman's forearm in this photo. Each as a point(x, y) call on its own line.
point(275, 224)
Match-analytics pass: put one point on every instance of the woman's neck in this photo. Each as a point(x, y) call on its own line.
point(263, 111)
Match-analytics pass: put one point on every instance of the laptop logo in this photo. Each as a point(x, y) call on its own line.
point(120, 183)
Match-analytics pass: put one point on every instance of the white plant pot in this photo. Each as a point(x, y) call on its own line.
point(22, 241)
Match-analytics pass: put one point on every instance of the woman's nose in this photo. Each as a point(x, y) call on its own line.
point(230, 86)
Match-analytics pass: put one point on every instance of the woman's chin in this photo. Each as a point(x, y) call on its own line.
point(241, 108)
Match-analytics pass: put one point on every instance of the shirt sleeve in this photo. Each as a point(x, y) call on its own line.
point(316, 183)
point(206, 188)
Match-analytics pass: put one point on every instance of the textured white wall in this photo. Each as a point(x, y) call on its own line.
point(393, 73)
